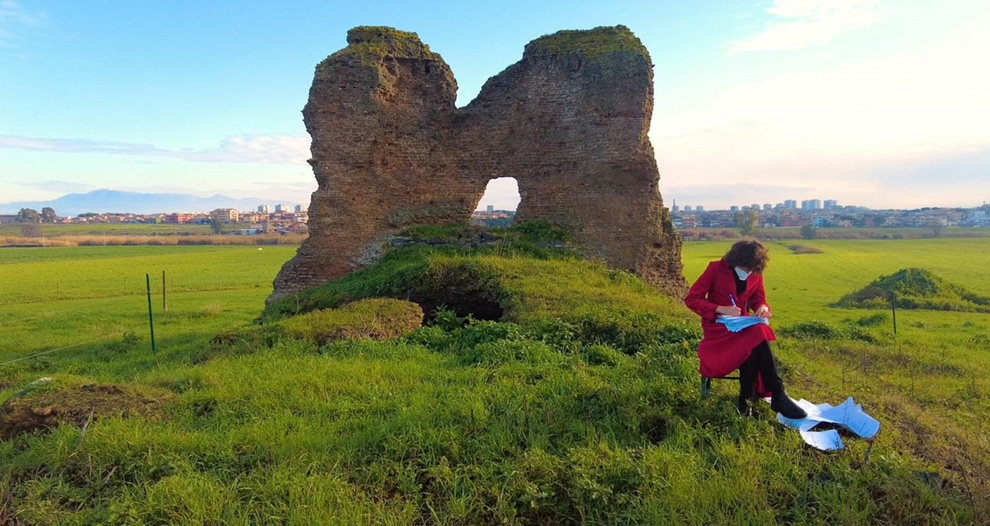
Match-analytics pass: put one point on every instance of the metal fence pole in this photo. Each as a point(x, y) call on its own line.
point(151, 318)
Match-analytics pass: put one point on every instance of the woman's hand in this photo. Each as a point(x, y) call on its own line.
point(763, 311)
point(728, 310)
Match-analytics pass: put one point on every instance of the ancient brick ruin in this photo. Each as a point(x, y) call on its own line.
point(569, 122)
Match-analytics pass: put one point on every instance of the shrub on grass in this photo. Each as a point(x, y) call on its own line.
point(630, 332)
point(540, 231)
point(445, 319)
point(802, 249)
point(374, 318)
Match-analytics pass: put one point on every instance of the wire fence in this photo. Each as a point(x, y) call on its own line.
point(121, 287)
point(49, 351)
point(117, 318)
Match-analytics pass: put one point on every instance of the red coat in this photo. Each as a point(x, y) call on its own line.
point(722, 351)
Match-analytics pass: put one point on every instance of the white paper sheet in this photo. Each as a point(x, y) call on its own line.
point(823, 440)
point(848, 415)
point(851, 416)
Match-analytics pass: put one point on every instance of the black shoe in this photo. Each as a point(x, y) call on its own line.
point(743, 407)
point(783, 404)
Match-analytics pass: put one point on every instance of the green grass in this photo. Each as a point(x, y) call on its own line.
point(579, 407)
point(53, 297)
point(33, 275)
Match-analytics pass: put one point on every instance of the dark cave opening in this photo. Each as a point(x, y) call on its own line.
point(479, 304)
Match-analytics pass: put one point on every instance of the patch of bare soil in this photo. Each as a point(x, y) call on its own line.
point(75, 406)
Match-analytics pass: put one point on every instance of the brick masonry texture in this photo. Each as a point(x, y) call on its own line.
point(569, 122)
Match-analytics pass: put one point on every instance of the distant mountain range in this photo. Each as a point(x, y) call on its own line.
point(102, 201)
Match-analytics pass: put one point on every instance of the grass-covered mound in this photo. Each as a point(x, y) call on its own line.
point(378, 319)
point(373, 318)
point(517, 279)
point(915, 288)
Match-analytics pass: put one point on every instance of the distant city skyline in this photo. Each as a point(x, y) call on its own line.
point(876, 102)
point(498, 196)
point(824, 204)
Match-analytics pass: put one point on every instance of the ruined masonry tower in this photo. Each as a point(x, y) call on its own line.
point(569, 121)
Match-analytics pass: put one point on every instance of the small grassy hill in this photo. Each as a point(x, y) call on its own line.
point(915, 288)
point(541, 389)
point(518, 279)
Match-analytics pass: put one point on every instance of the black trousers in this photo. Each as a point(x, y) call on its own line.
point(759, 361)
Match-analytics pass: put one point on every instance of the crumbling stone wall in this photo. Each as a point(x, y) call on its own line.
point(569, 122)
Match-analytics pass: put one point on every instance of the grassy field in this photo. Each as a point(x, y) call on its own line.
point(53, 297)
point(579, 407)
point(801, 286)
point(109, 229)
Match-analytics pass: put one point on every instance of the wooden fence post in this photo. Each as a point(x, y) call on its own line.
point(893, 310)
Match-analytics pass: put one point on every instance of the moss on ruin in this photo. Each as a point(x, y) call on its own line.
point(370, 44)
point(591, 43)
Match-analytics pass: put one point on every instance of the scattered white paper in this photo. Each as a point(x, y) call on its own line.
point(851, 416)
point(823, 440)
point(848, 415)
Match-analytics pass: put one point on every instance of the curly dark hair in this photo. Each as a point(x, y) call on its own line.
point(749, 254)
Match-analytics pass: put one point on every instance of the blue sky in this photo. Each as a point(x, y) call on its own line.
point(871, 102)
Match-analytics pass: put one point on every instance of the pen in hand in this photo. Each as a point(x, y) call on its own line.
point(729, 311)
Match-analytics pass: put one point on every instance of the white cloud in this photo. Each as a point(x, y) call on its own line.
point(14, 17)
point(810, 22)
point(256, 149)
point(855, 131)
point(264, 149)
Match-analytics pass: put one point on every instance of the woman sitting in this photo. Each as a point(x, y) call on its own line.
point(733, 286)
